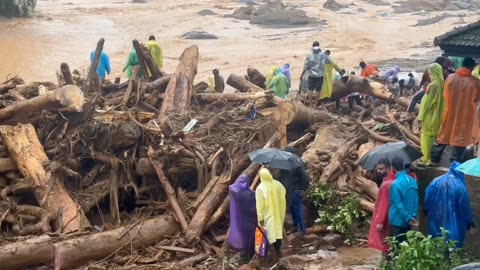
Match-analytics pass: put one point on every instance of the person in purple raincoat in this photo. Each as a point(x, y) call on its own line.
point(243, 218)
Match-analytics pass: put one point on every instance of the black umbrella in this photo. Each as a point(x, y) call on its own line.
point(390, 150)
point(275, 158)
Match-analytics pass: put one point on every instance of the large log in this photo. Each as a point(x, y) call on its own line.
point(23, 144)
point(242, 84)
point(301, 116)
point(92, 81)
point(256, 77)
point(179, 90)
point(141, 60)
point(67, 98)
point(351, 84)
point(199, 222)
point(77, 251)
point(159, 85)
point(153, 69)
point(405, 102)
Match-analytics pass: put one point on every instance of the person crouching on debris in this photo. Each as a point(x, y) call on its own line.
point(218, 81)
point(271, 209)
point(379, 226)
point(403, 199)
point(243, 218)
point(279, 84)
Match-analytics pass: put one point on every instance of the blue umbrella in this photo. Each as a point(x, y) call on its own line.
point(470, 167)
point(275, 158)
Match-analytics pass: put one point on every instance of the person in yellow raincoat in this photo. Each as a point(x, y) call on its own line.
point(155, 51)
point(327, 85)
point(431, 110)
point(271, 208)
point(269, 76)
point(460, 127)
point(476, 72)
point(279, 84)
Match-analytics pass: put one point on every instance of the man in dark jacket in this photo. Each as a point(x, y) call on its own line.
point(296, 182)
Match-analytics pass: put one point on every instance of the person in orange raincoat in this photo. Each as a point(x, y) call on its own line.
point(379, 226)
point(368, 70)
point(460, 120)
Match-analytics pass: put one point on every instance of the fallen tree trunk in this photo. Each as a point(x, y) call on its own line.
point(351, 84)
point(25, 148)
point(141, 61)
point(67, 98)
point(255, 77)
point(92, 81)
point(159, 85)
point(231, 97)
point(405, 102)
point(31, 252)
point(179, 90)
point(300, 116)
point(405, 131)
point(199, 222)
point(242, 84)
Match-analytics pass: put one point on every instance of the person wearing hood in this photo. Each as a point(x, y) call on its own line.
point(132, 61)
point(286, 72)
point(431, 111)
point(296, 183)
point(403, 201)
point(314, 66)
point(156, 52)
point(270, 75)
point(460, 126)
point(103, 64)
point(327, 85)
point(243, 218)
point(379, 226)
point(390, 73)
point(279, 84)
point(271, 208)
point(447, 206)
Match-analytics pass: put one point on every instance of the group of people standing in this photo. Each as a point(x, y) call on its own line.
point(395, 213)
point(265, 208)
point(448, 109)
point(132, 60)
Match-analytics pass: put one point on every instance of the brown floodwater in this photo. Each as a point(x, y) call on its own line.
point(68, 30)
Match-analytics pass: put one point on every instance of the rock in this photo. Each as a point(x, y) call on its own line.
point(248, 2)
point(310, 238)
point(331, 248)
point(333, 5)
point(297, 260)
point(287, 251)
point(17, 8)
point(243, 13)
point(333, 239)
point(293, 240)
point(282, 18)
point(139, 1)
point(206, 12)
point(199, 35)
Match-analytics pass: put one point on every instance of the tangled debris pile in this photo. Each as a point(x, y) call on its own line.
point(133, 175)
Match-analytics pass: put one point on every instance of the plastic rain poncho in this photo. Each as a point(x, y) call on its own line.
point(460, 120)
point(476, 72)
point(377, 240)
point(271, 205)
point(103, 64)
point(431, 110)
point(327, 85)
point(156, 53)
point(447, 205)
point(286, 72)
point(269, 76)
point(132, 61)
point(279, 84)
point(243, 214)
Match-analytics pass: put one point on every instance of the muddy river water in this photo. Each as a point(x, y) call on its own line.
point(67, 30)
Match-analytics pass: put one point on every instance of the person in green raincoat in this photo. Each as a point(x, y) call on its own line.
point(279, 84)
point(431, 110)
point(327, 85)
point(269, 76)
point(132, 61)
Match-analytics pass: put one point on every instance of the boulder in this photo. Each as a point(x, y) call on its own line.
point(243, 13)
point(198, 35)
point(333, 5)
point(281, 18)
point(17, 8)
point(333, 239)
point(206, 12)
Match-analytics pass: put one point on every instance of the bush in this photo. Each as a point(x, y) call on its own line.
point(341, 214)
point(422, 253)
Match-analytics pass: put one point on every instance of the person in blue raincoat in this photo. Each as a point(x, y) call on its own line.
point(103, 64)
point(447, 206)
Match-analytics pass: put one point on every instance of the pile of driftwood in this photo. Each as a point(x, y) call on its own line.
point(135, 175)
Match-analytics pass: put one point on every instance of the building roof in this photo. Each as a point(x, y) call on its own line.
point(461, 41)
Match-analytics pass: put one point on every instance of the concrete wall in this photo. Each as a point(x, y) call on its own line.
point(425, 176)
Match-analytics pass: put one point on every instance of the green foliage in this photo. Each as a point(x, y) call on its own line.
point(341, 214)
point(422, 253)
